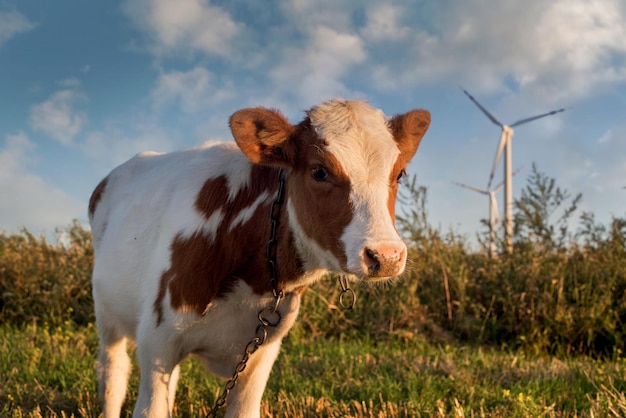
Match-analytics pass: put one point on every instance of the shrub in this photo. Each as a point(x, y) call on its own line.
point(45, 283)
point(556, 291)
point(551, 293)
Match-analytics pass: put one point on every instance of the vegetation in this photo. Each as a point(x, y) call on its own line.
point(538, 332)
point(49, 372)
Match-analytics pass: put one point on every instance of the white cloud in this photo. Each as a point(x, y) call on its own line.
point(194, 90)
point(556, 50)
point(315, 71)
point(184, 25)
point(13, 23)
point(58, 116)
point(579, 42)
point(307, 14)
point(14, 153)
point(383, 23)
point(113, 146)
point(27, 200)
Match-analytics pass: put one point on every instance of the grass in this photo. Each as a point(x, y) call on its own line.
point(423, 346)
point(50, 373)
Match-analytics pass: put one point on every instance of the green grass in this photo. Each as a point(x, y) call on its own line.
point(51, 373)
point(539, 332)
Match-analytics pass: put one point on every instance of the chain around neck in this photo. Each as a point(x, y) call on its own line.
point(268, 317)
point(272, 244)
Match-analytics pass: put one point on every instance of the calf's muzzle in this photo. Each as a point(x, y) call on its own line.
point(384, 260)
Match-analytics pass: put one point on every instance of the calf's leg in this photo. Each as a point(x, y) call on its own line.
point(245, 398)
point(158, 359)
point(113, 368)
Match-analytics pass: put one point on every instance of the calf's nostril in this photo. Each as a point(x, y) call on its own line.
point(384, 260)
point(372, 260)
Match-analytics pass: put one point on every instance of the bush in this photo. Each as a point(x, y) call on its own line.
point(555, 292)
point(551, 293)
point(44, 283)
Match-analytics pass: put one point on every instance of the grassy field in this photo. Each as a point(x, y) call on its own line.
point(538, 332)
point(51, 373)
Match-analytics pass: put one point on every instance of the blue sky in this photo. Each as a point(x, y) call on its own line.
point(86, 85)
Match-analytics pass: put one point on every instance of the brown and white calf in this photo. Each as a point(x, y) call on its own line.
point(180, 241)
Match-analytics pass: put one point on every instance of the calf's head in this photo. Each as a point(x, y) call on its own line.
point(343, 164)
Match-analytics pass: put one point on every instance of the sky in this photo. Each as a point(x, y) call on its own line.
point(85, 85)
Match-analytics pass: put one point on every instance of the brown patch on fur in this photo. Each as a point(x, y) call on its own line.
point(393, 188)
point(408, 130)
point(96, 196)
point(202, 269)
point(321, 203)
point(212, 196)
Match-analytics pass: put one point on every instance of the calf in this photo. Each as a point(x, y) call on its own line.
point(181, 242)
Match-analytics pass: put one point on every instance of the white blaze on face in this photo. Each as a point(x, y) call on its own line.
point(359, 138)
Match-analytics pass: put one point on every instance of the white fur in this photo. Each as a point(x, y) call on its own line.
point(245, 215)
point(358, 137)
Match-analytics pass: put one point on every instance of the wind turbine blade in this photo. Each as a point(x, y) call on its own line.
point(497, 159)
point(499, 186)
point(485, 111)
point(523, 121)
point(474, 189)
point(494, 205)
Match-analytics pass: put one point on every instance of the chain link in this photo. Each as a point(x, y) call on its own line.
point(269, 317)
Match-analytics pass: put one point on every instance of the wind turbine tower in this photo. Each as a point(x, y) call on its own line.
point(494, 212)
point(505, 144)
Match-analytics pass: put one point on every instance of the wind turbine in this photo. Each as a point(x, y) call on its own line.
point(505, 144)
point(494, 213)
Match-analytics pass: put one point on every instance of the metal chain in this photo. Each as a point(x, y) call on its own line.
point(273, 242)
point(269, 317)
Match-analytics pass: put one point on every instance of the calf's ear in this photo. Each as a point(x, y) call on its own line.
point(408, 130)
point(263, 136)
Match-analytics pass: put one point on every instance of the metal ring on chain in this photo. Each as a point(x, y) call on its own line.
point(268, 321)
point(345, 290)
point(351, 299)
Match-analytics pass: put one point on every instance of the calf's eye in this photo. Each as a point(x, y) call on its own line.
point(401, 176)
point(319, 173)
